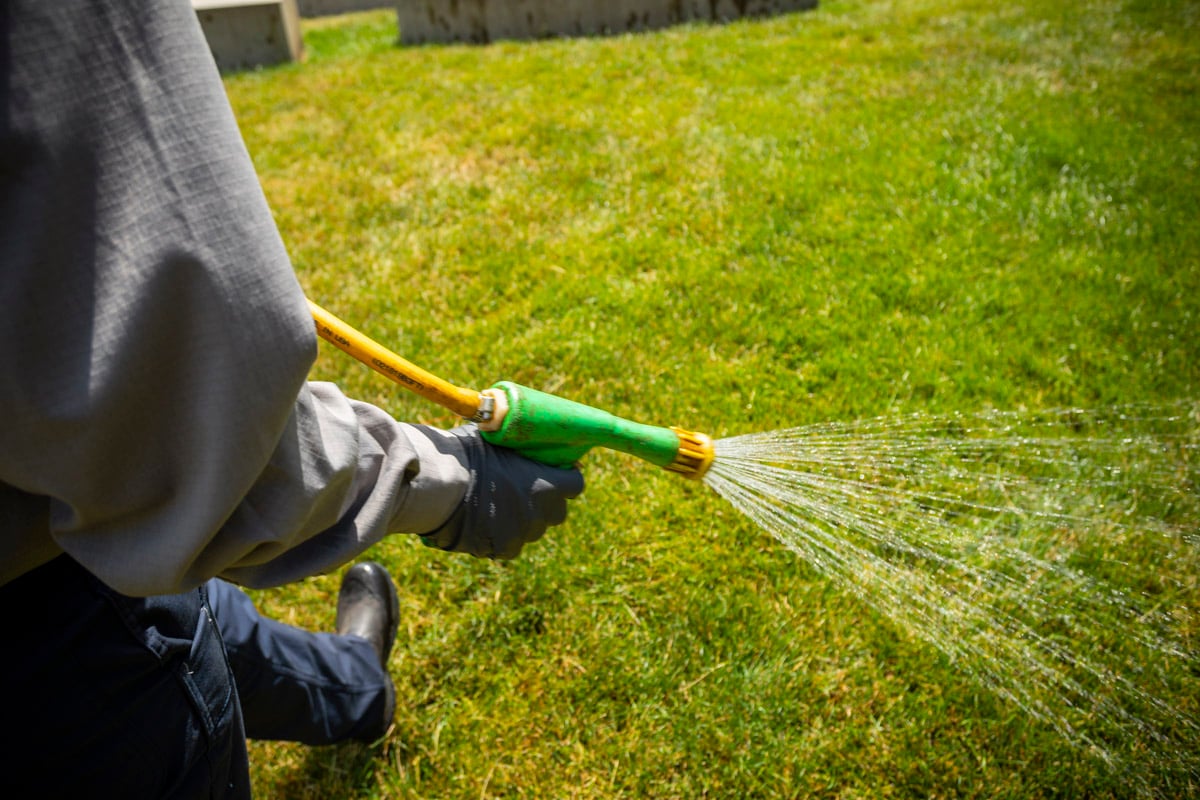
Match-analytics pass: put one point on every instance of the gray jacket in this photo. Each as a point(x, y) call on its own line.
point(154, 342)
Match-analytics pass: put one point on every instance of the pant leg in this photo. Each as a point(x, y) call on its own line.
point(116, 696)
point(295, 685)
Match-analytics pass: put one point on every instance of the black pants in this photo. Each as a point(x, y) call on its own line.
point(111, 696)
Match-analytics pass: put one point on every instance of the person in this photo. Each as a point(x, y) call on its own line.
point(162, 443)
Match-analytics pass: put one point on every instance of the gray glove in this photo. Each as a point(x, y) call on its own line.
point(510, 501)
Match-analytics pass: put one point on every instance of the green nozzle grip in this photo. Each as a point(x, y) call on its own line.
point(559, 432)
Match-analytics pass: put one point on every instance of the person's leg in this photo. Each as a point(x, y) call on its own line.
point(128, 697)
point(296, 685)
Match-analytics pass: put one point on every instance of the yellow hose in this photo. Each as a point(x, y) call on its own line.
point(464, 402)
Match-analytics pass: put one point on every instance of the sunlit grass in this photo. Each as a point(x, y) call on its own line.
point(872, 208)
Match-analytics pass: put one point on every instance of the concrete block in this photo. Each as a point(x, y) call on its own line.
point(244, 34)
point(488, 20)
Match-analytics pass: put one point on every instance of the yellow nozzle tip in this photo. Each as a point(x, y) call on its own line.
point(695, 456)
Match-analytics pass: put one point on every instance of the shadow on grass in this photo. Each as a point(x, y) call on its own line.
point(343, 771)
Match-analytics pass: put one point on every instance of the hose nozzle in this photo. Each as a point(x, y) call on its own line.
point(541, 426)
point(559, 432)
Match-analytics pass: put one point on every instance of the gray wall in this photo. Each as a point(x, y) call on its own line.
point(321, 8)
point(488, 20)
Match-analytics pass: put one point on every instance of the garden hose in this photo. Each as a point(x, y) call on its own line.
point(541, 426)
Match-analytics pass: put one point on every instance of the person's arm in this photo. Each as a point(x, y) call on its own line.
point(154, 340)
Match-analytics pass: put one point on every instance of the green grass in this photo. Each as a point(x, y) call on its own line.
point(873, 208)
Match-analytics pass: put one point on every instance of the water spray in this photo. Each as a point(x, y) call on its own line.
point(539, 425)
point(977, 533)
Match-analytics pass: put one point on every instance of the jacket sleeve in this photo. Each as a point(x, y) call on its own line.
point(154, 341)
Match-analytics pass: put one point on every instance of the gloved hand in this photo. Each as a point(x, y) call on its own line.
point(510, 501)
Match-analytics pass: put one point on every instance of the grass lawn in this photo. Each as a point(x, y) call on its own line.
point(874, 208)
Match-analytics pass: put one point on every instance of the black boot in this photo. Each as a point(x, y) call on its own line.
point(369, 608)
